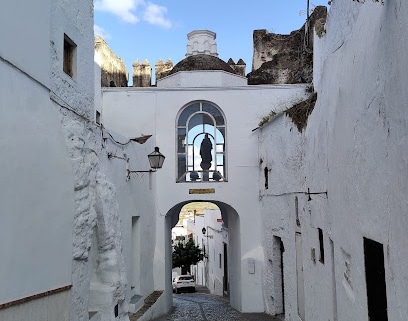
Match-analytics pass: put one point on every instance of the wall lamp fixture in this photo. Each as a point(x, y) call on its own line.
point(156, 160)
point(205, 232)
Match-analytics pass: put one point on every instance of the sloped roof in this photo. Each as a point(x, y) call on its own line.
point(201, 62)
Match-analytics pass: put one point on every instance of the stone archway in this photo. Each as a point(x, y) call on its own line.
point(232, 222)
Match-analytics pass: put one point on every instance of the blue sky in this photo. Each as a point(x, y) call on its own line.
point(157, 29)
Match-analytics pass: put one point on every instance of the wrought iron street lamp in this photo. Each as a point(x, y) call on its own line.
point(156, 160)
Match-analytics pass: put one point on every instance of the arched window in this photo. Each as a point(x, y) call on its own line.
point(201, 143)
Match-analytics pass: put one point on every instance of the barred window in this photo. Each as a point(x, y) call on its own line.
point(201, 143)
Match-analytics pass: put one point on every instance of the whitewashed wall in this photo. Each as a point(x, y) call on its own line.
point(60, 225)
point(74, 19)
point(208, 272)
point(153, 111)
point(215, 248)
point(28, 47)
point(196, 226)
point(37, 191)
point(354, 147)
point(136, 201)
point(38, 201)
point(206, 78)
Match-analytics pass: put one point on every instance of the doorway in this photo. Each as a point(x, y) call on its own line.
point(278, 276)
point(225, 281)
point(299, 277)
point(375, 280)
point(135, 256)
point(334, 292)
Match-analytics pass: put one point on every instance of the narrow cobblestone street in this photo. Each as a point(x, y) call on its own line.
point(202, 306)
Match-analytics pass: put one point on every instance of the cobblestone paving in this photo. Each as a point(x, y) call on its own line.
point(206, 307)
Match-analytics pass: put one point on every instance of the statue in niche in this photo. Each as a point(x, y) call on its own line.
point(205, 152)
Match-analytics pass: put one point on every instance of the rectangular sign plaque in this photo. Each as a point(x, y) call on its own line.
point(201, 191)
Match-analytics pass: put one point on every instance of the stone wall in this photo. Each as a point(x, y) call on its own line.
point(113, 68)
point(285, 59)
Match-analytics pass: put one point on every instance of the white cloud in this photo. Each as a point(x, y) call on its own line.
point(126, 10)
point(122, 8)
point(155, 15)
point(99, 31)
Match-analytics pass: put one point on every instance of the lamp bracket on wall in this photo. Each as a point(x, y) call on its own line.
point(156, 160)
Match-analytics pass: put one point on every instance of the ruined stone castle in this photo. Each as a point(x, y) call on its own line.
point(277, 59)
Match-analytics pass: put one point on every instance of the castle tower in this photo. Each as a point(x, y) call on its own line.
point(158, 69)
point(161, 69)
point(136, 74)
point(168, 65)
point(146, 74)
point(239, 67)
point(201, 42)
point(142, 74)
point(231, 63)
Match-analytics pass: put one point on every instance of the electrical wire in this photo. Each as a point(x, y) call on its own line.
point(112, 138)
point(53, 95)
point(293, 193)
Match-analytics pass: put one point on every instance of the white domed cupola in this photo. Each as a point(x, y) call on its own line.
point(201, 42)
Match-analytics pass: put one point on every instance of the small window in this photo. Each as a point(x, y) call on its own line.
point(297, 211)
point(69, 56)
point(266, 173)
point(220, 260)
point(321, 244)
point(98, 117)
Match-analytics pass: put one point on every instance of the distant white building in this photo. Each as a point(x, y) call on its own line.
point(211, 236)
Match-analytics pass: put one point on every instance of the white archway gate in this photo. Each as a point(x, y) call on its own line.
point(232, 222)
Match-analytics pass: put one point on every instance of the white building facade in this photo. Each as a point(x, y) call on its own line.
point(334, 216)
point(211, 236)
point(36, 171)
point(159, 112)
point(67, 200)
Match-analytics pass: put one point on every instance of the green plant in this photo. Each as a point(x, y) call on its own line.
point(320, 31)
point(266, 118)
point(185, 255)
